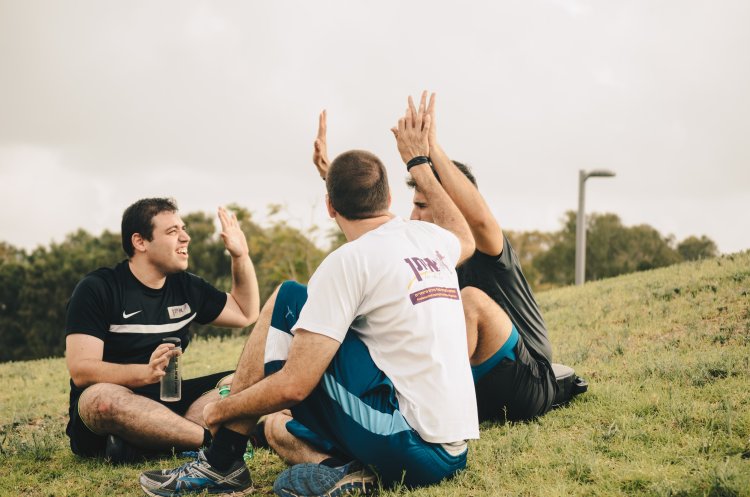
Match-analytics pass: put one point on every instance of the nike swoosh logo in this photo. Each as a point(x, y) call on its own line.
point(126, 316)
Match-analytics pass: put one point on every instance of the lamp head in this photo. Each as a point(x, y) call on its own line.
point(603, 173)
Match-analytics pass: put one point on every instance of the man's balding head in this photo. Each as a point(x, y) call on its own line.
point(357, 185)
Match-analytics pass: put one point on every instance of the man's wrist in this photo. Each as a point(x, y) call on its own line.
point(416, 161)
point(240, 256)
point(147, 377)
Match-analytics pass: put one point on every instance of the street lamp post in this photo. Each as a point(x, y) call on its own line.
point(581, 220)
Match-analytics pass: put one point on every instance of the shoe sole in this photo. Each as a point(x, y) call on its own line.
point(236, 493)
point(354, 482)
point(361, 481)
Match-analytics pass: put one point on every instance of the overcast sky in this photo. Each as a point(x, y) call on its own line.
point(104, 102)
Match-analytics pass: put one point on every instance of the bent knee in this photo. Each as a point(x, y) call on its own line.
point(482, 312)
point(474, 295)
point(475, 301)
point(275, 427)
point(102, 401)
point(227, 380)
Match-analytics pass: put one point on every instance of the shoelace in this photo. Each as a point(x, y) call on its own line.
point(183, 470)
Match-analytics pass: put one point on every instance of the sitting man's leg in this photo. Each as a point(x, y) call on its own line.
point(144, 423)
point(488, 326)
point(510, 383)
point(287, 306)
point(202, 391)
point(354, 415)
point(220, 468)
point(291, 449)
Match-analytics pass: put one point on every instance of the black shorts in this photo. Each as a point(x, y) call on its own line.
point(86, 443)
point(516, 390)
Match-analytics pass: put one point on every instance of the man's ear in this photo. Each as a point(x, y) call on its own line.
point(139, 244)
point(389, 200)
point(329, 206)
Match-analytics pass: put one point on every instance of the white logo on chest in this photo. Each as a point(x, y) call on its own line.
point(178, 311)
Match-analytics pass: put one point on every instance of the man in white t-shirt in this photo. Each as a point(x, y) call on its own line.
point(371, 357)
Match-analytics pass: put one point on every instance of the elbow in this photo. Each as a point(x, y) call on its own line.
point(471, 245)
point(297, 393)
point(241, 320)
point(468, 246)
point(252, 317)
point(248, 315)
point(83, 372)
point(80, 378)
point(246, 321)
point(295, 390)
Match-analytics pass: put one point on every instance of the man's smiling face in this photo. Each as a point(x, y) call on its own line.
point(168, 250)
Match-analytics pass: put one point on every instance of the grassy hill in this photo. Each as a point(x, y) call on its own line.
point(666, 354)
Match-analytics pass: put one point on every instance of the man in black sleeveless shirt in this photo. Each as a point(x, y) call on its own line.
point(509, 348)
point(116, 320)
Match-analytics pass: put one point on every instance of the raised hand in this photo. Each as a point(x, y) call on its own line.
point(231, 233)
point(320, 148)
point(432, 137)
point(413, 131)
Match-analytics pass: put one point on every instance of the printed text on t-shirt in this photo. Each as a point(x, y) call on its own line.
point(422, 266)
point(425, 267)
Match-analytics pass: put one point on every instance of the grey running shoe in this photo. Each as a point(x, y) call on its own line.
point(198, 476)
point(308, 480)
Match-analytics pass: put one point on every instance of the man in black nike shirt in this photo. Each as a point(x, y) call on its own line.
point(117, 318)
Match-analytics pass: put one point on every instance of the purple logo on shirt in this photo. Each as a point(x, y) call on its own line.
point(419, 264)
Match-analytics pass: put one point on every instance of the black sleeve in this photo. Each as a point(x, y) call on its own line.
point(507, 258)
point(88, 310)
point(210, 301)
point(500, 263)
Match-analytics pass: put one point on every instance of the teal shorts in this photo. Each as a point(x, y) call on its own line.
point(353, 413)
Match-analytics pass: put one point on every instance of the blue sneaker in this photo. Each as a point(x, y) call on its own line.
point(308, 480)
point(196, 477)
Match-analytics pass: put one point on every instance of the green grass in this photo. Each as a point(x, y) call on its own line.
point(666, 354)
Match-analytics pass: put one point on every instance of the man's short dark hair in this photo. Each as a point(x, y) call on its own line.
point(357, 185)
point(461, 167)
point(139, 218)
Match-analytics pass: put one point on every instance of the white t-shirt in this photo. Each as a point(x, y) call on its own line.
point(396, 287)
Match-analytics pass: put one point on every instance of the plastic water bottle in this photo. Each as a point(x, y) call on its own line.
point(171, 382)
point(249, 450)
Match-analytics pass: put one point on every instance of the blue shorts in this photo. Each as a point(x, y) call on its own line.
point(353, 412)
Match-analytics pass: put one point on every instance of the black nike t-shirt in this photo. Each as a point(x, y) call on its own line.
point(132, 319)
point(501, 278)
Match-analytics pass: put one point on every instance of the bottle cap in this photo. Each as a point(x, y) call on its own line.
point(176, 341)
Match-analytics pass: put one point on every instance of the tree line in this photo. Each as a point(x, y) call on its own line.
point(612, 249)
point(35, 286)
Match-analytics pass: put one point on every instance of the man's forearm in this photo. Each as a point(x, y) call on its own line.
point(271, 394)
point(90, 371)
point(245, 287)
point(465, 195)
point(444, 212)
point(488, 236)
